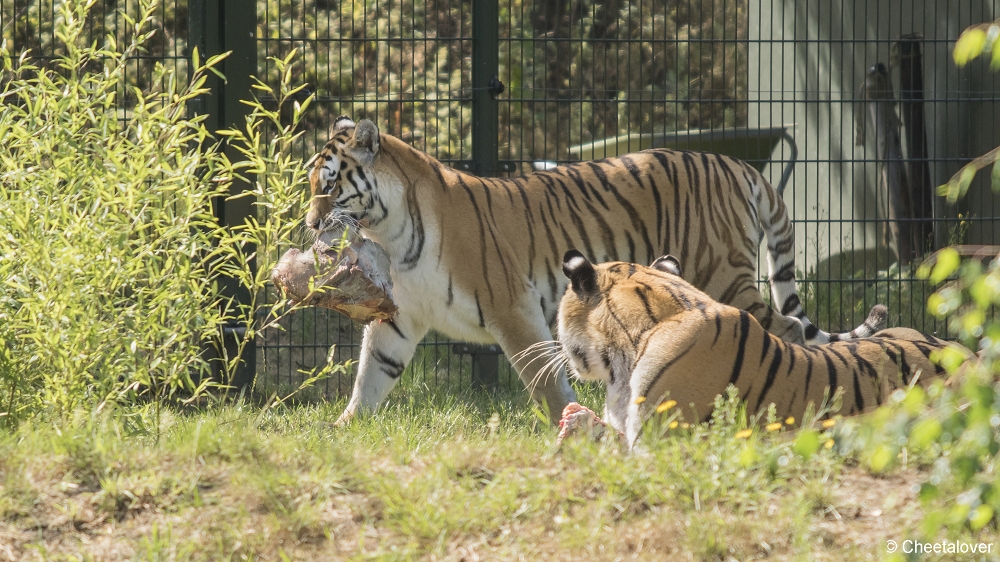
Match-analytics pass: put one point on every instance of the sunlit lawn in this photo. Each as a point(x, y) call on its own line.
point(460, 477)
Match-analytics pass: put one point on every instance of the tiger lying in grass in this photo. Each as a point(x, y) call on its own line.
point(651, 336)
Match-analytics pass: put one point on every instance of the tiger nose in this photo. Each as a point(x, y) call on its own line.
point(314, 224)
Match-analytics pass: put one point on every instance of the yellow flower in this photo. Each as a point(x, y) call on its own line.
point(639, 400)
point(743, 433)
point(789, 420)
point(828, 444)
point(829, 423)
point(665, 406)
point(685, 425)
point(773, 426)
point(673, 424)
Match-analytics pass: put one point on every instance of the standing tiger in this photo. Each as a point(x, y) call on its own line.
point(651, 336)
point(478, 258)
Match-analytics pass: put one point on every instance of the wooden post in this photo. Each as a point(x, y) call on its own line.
point(911, 96)
point(879, 101)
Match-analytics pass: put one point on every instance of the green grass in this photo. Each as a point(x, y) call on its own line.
point(433, 476)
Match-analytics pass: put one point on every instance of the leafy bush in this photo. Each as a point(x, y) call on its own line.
point(112, 259)
point(953, 429)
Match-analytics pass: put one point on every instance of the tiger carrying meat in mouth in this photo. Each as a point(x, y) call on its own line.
point(478, 258)
point(651, 336)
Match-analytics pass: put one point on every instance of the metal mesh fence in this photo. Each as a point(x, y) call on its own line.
point(774, 82)
point(826, 69)
point(573, 75)
point(784, 85)
point(585, 76)
point(30, 24)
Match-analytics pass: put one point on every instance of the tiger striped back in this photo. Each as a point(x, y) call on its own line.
point(651, 336)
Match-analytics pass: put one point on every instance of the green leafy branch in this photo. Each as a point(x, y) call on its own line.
point(976, 40)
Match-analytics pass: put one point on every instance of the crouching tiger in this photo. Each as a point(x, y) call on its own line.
point(650, 335)
point(478, 258)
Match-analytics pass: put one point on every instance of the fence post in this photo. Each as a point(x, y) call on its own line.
point(486, 86)
point(218, 26)
point(485, 364)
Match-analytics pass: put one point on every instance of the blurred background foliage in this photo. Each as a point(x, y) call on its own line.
point(628, 67)
point(32, 25)
point(575, 71)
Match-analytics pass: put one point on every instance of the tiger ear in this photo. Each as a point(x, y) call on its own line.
point(342, 122)
point(581, 273)
point(365, 145)
point(667, 264)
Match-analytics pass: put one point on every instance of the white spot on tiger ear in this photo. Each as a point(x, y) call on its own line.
point(342, 122)
point(667, 264)
point(575, 262)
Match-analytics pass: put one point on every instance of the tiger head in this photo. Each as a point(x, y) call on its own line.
point(342, 178)
point(606, 310)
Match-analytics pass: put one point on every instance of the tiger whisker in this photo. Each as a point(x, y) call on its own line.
point(339, 219)
point(547, 351)
point(540, 349)
point(546, 344)
point(546, 358)
point(309, 234)
point(550, 369)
